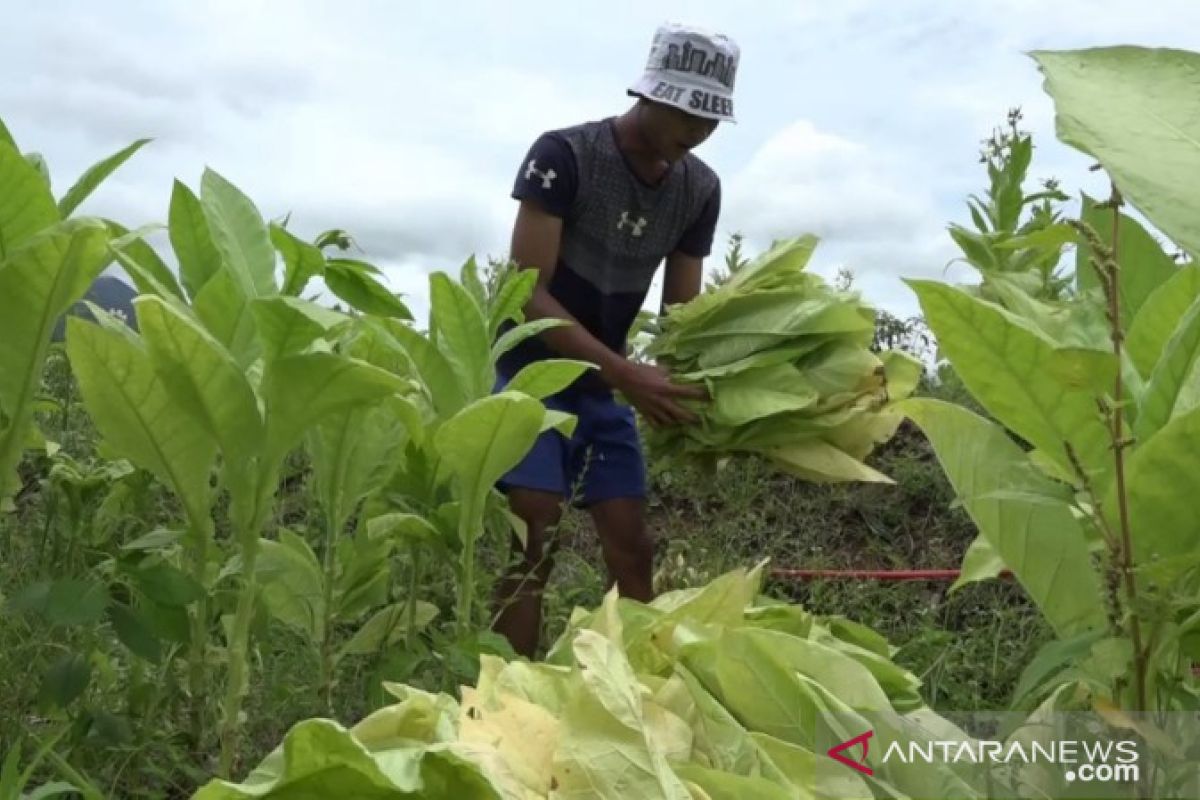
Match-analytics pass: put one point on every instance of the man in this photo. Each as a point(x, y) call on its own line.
point(602, 205)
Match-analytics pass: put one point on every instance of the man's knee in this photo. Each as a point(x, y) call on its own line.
point(621, 525)
point(541, 512)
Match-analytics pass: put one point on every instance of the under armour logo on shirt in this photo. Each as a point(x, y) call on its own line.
point(634, 225)
point(547, 177)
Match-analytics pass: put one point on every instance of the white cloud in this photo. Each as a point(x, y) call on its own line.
point(804, 180)
point(873, 216)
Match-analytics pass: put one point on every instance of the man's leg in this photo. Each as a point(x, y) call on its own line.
point(614, 479)
point(627, 546)
point(519, 599)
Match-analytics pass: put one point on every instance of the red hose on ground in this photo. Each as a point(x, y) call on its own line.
point(875, 574)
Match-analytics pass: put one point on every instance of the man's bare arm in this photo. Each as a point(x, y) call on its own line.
point(537, 236)
point(681, 280)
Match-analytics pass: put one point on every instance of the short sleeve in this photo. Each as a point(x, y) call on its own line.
point(548, 175)
point(697, 240)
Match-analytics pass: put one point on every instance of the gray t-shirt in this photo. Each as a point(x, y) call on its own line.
point(617, 229)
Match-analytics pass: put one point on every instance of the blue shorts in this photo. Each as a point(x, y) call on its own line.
point(601, 461)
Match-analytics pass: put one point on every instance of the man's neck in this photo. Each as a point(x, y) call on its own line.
point(649, 166)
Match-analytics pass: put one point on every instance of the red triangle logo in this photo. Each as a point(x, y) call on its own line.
point(835, 752)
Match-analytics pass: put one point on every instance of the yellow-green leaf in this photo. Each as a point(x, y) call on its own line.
point(1041, 542)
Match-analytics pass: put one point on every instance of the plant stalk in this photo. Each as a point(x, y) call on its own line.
point(246, 529)
point(469, 519)
point(1118, 435)
point(333, 529)
point(201, 530)
point(414, 585)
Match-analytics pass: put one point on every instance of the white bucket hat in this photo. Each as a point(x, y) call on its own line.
point(692, 69)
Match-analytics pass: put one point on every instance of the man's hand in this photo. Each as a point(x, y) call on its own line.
point(650, 390)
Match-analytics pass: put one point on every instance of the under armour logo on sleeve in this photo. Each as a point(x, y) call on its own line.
point(547, 177)
point(634, 225)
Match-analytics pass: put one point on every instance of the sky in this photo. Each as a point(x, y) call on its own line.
point(405, 124)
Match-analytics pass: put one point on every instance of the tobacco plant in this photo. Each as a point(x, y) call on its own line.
point(1084, 484)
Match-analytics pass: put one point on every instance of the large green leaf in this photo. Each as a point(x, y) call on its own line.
point(1041, 542)
point(509, 304)
point(239, 234)
point(1159, 318)
point(1004, 363)
point(301, 260)
point(469, 277)
point(808, 771)
point(198, 256)
point(363, 292)
point(719, 785)
point(757, 682)
point(227, 313)
point(26, 205)
point(369, 340)
point(1143, 265)
point(134, 245)
point(6, 136)
point(1135, 110)
point(203, 379)
point(720, 739)
point(541, 379)
point(36, 161)
point(66, 602)
point(1163, 484)
point(759, 393)
point(1169, 390)
point(385, 628)
point(981, 562)
point(288, 325)
point(65, 680)
point(39, 281)
point(412, 530)
point(353, 453)
point(488, 438)
point(750, 323)
point(447, 394)
point(606, 751)
point(364, 579)
point(94, 176)
point(166, 585)
point(462, 333)
point(135, 632)
point(526, 330)
point(146, 281)
point(822, 462)
point(302, 390)
point(293, 584)
point(320, 758)
point(135, 414)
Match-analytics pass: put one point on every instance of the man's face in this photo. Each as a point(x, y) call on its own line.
point(672, 132)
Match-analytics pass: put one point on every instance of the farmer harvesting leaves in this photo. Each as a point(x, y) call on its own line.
point(602, 205)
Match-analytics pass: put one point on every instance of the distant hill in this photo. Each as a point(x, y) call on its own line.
point(111, 294)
